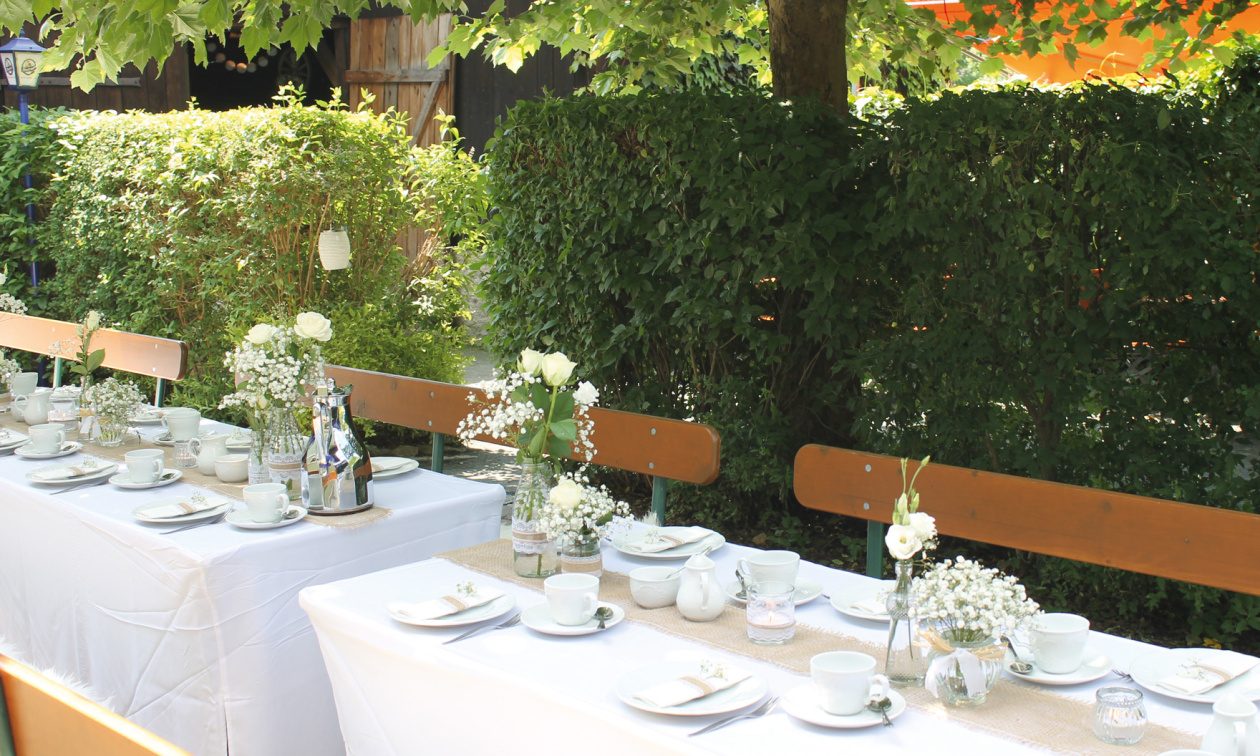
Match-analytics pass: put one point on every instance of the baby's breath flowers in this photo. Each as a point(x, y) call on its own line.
point(967, 602)
point(113, 400)
point(577, 511)
point(273, 364)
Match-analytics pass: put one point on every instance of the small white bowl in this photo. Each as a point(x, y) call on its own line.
point(232, 468)
point(654, 587)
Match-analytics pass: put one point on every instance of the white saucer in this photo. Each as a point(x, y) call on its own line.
point(394, 466)
point(843, 600)
point(539, 618)
point(802, 703)
point(164, 439)
point(100, 471)
point(734, 698)
point(806, 591)
point(69, 447)
point(1095, 665)
point(489, 610)
point(711, 542)
point(1149, 669)
point(123, 480)
point(240, 518)
point(205, 514)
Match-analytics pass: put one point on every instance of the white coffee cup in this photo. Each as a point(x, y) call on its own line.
point(145, 465)
point(767, 566)
point(573, 597)
point(266, 502)
point(182, 422)
point(846, 681)
point(47, 438)
point(232, 468)
point(1058, 642)
point(21, 384)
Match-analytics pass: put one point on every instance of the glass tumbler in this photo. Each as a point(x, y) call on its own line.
point(1119, 716)
point(771, 612)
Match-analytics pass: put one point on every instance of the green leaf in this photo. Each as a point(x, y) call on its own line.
point(991, 66)
point(95, 359)
point(565, 430)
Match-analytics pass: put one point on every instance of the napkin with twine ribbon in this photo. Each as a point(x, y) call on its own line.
point(180, 508)
point(967, 659)
point(64, 472)
point(443, 606)
point(1201, 677)
point(672, 538)
point(691, 687)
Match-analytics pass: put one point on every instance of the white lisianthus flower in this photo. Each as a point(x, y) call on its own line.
point(567, 494)
point(586, 393)
point(556, 369)
point(3, 278)
point(901, 511)
point(312, 325)
point(531, 362)
point(93, 320)
point(903, 542)
point(261, 334)
point(924, 525)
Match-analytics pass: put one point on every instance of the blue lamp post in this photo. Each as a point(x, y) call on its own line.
point(20, 60)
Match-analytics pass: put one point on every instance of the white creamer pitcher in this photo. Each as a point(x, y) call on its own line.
point(208, 448)
point(700, 596)
point(1233, 731)
point(33, 406)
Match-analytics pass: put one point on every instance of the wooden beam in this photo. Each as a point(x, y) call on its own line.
point(422, 120)
point(411, 76)
point(130, 352)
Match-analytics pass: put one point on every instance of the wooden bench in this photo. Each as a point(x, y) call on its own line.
point(662, 448)
point(163, 359)
point(1167, 539)
point(39, 717)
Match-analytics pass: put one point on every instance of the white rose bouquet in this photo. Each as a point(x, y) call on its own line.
point(273, 364)
point(577, 511)
point(968, 602)
point(912, 531)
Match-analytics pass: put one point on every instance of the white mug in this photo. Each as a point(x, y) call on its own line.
point(47, 438)
point(846, 681)
point(266, 502)
point(21, 384)
point(182, 422)
point(777, 566)
point(145, 465)
point(573, 597)
point(1058, 642)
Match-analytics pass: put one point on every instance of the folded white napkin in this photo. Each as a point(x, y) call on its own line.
point(672, 538)
point(444, 605)
point(392, 463)
point(1203, 676)
point(64, 472)
point(875, 605)
point(691, 687)
point(181, 508)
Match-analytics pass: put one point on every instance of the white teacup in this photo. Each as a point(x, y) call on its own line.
point(1058, 642)
point(768, 566)
point(846, 681)
point(232, 468)
point(47, 438)
point(182, 422)
point(266, 502)
point(573, 597)
point(21, 384)
point(145, 465)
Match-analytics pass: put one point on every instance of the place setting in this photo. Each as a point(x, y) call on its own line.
point(146, 468)
point(691, 689)
point(392, 467)
point(86, 471)
point(179, 510)
point(267, 507)
point(1198, 675)
point(865, 602)
point(668, 542)
point(572, 607)
point(47, 441)
point(1058, 652)
point(464, 603)
point(772, 566)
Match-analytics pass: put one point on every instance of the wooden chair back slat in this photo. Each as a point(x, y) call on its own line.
point(673, 449)
point(130, 352)
point(47, 719)
point(1151, 536)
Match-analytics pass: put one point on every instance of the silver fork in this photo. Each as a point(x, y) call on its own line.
point(82, 485)
point(510, 621)
point(760, 711)
point(211, 521)
point(1121, 673)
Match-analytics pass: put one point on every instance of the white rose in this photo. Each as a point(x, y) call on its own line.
point(902, 541)
point(567, 494)
point(586, 394)
point(93, 320)
point(924, 525)
point(531, 362)
point(3, 277)
point(261, 334)
point(556, 369)
point(312, 325)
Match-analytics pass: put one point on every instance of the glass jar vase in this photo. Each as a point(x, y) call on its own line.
point(285, 451)
point(110, 431)
point(533, 553)
point(582, 555)
point(904, 662)
point(961, 671)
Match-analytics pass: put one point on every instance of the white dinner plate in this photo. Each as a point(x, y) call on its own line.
point(392, 466)
point(806, 591)
point(711, 542)
point(12, 441)
point(489, 610)
point(205, 514)
point(93, 473)
point(69, 447)
point(123, 480)
point(1095, 665)
point(240, 518)
point(539, 618)
point(802, 703)
point(843, 601)
point(1149, 669)
point(739, 696)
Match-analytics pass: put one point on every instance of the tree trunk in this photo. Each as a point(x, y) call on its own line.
point(807, 46)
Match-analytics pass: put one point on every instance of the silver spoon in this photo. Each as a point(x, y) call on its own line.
point(882, 706)
point(603, 613)
point(743, 587)
point(1019, 666)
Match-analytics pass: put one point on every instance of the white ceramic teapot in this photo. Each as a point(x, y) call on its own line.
point(700, 596)
point(208, 448)
point(1233, 731)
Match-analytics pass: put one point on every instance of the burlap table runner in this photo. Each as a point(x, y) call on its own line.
point(1016, 711)
point(133, 441)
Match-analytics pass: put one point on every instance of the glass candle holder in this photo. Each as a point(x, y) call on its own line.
point(1119, 716)
point(771, 613)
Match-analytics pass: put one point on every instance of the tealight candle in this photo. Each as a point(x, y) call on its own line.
point(771, 612)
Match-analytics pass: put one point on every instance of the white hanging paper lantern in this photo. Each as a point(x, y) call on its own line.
point(334, 249)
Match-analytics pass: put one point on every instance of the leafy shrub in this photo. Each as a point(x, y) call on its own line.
point(22, 147)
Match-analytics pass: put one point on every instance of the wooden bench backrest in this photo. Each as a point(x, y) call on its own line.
point(47, 719)
point(657, 446)
point(1204, 545)
point(130, 352)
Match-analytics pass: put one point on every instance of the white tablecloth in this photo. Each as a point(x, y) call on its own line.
point(198, 636)
point(399, 691)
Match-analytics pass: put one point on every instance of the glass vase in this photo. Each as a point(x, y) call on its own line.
point(904, 663)
point(111, 431)
point(533, 553)
point(582, 555)
point(963, 670)
point(258, 472)
point(285, 448)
